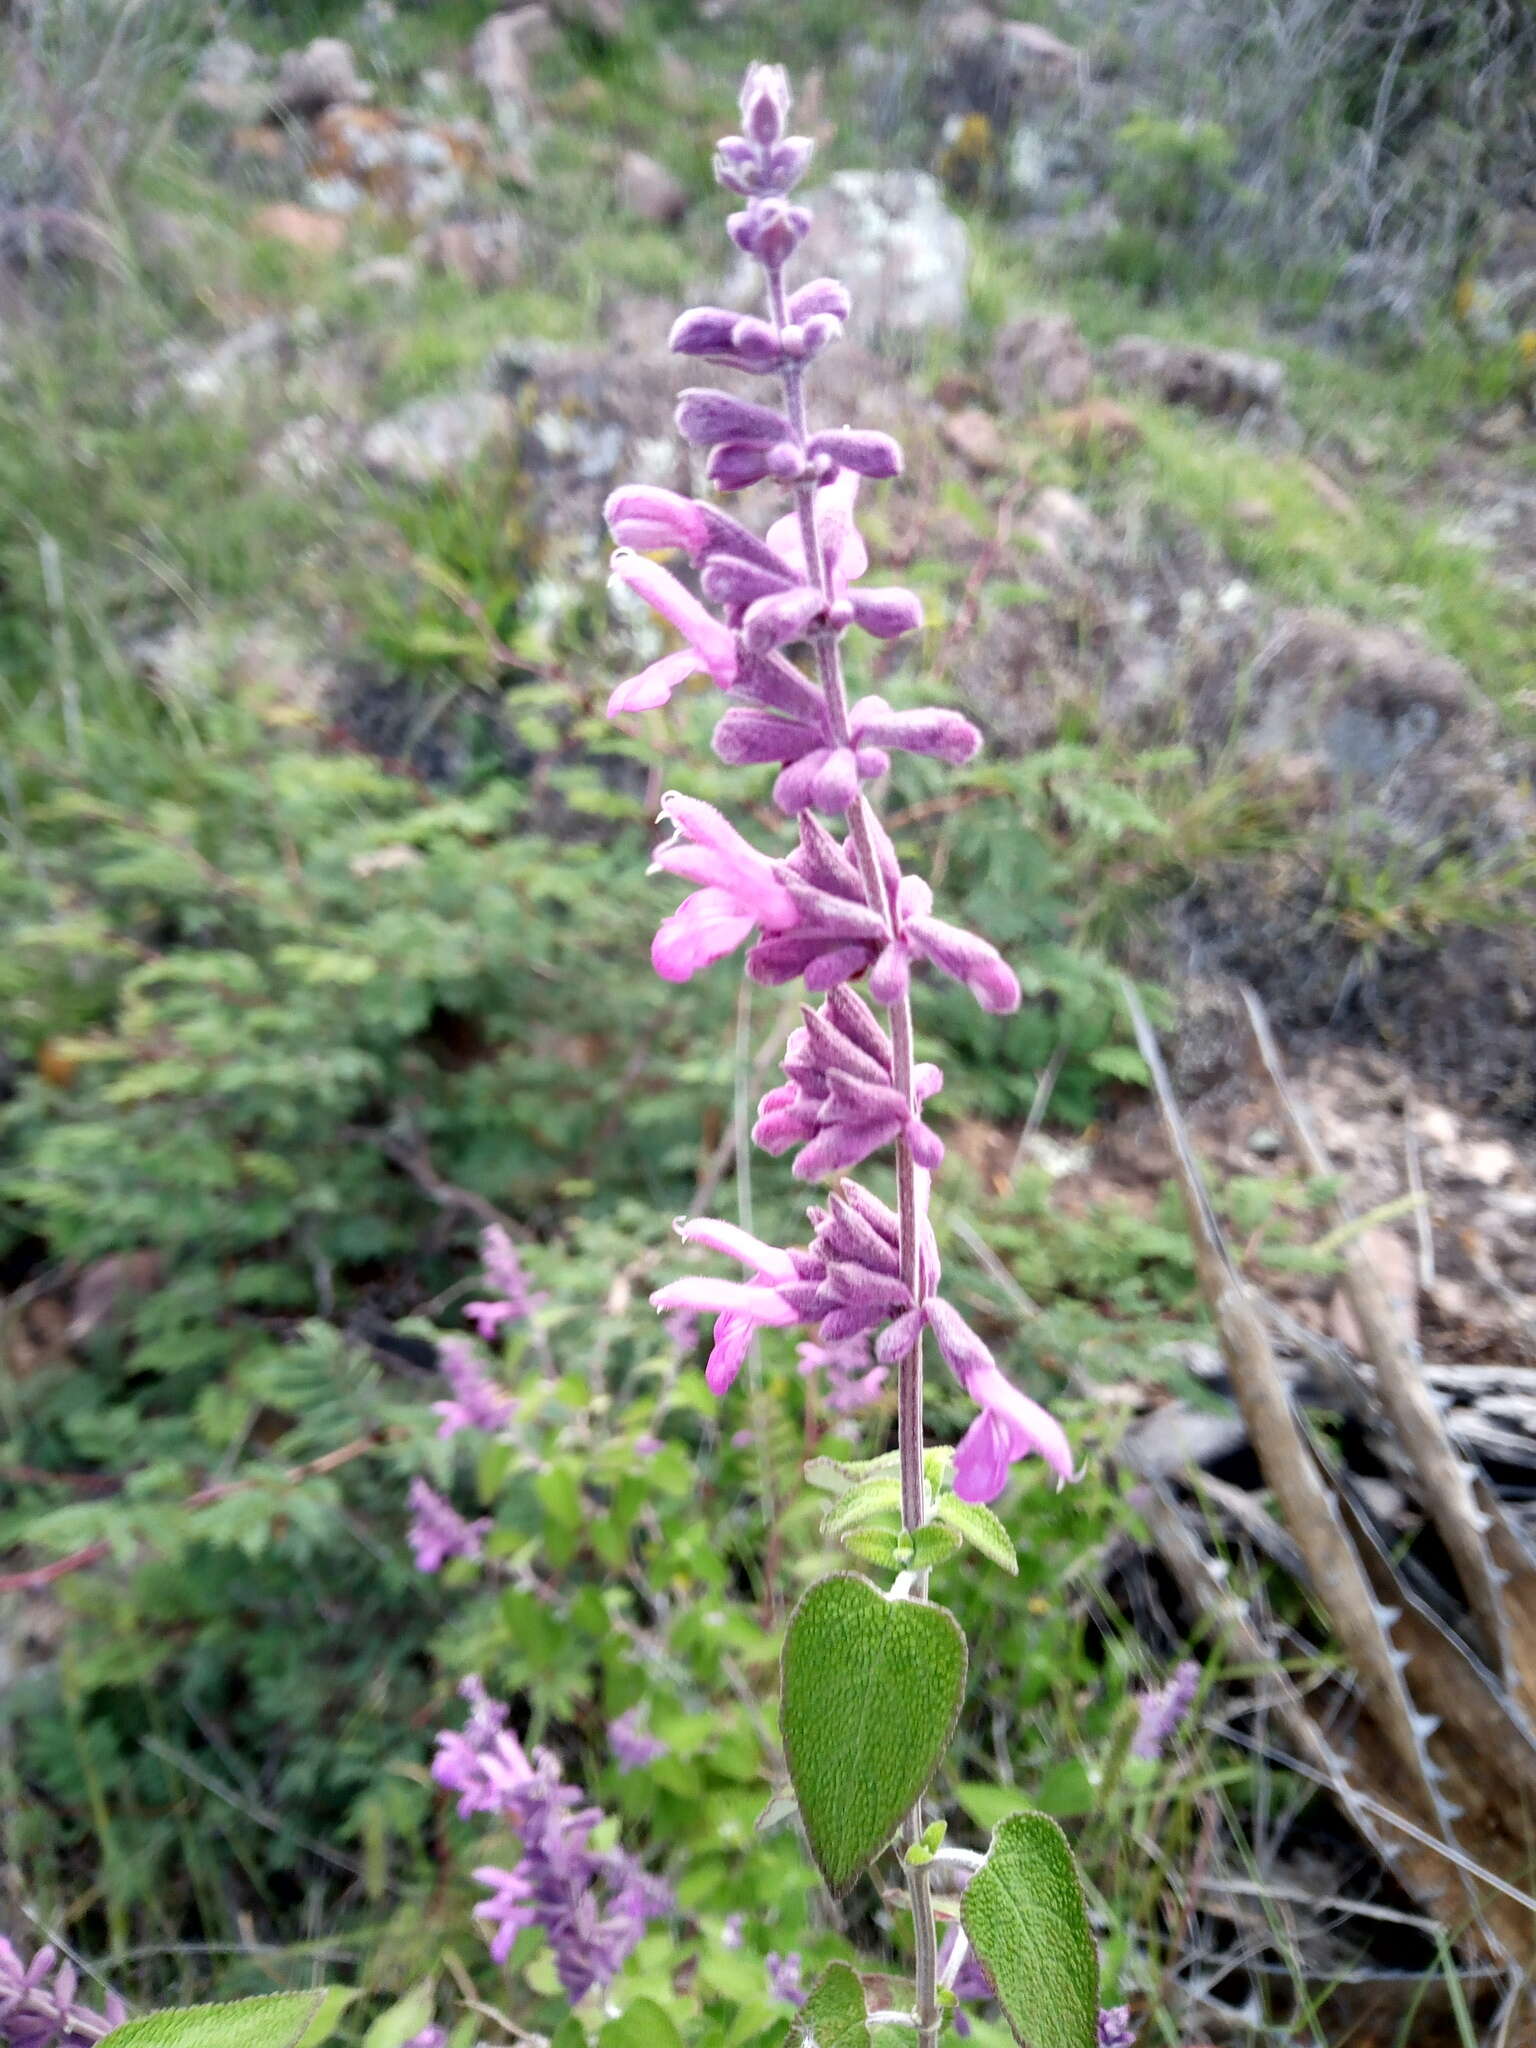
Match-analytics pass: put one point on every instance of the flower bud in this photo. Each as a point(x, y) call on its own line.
point(764, 104)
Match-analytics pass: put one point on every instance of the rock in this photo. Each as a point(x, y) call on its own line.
point(1096, 423)
point(227, 80)
point(486, 254)
point(648, 190)
point(975, 435)
point(306, 228)
point(308, 451)
point(980, 65)
point(256, 142)
point(1062, 526)
point(901, 251)
point(1039, 360)
point(218, 375)
point(320, 76)
point(412, 170)
point(498, 61)
point(434, 438)
point(1218, 381)
point(388, 273)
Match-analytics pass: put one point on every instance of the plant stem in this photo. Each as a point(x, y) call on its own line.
point(909, 1383)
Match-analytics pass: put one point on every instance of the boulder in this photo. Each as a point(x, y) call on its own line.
point(649, 191)
point(324, 74)
point(435, 438)
point(1220, 382)
point(486, 254)
point(1040, 360)
point(903, 254)
point(499, 63)
point(979, 64)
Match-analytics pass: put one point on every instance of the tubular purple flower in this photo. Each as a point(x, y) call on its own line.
point(872, 455)
point(477, 1402)
point(738, 893)
point(705, 416)
point(645, 519)
point(711, 647)
point(1009, 1427)
point(1115, 2029)
point(823, 295)
point(633, 1745)
point(942, 735)
point(40, 2005)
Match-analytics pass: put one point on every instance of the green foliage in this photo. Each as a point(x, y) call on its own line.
point(870, 1691)
point(1028, 1923)
point(834, 2015)
point(1166, 172)
point(287, 2019)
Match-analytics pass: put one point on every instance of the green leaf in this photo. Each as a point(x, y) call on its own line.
point(980, 1528)
point(1028, 1925)
point(835, 2015)
point(837, 1475)
point(404, 2020)
point(641, 2025)
point(871, 1500)
point(870, 1692)
point(284, 2020)
point(897, 1550)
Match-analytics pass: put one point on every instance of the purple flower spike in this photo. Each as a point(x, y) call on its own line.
point(40, 2005)
point(707, 416)
point(1162, 1713)
point(632, 1744)
point(1115, 2028)
point(477, 1403)
point(438, 1532)
point(738, 893)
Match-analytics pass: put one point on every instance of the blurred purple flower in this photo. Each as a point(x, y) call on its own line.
point(1115, 2028)
point(592, 1905)
point(1161, 1712)
point(851, 1380)
point(512, 1300)
point(439, 1532)
point(39, 2007)
point(633, 1746)
point(785, 1977)
point(429, 2037)
point(477, 1403)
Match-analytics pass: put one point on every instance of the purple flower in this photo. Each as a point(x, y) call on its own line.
point(786, 1977)
point(592, 1905)
point(731, 1931)
point(741, 1307)
point(483, 1763)
point(513, 1301)
point(1161, 1712)
point(40, 2007)
point(711, 648)
point(1115, 2028)
point(851, 1379)
point(477, 1403)
point(429, 2037)
point(633, 1746)
point(840, 1100)
point(738, 893)
point(438, 1532)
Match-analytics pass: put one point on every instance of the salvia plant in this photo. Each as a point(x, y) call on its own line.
point(872, 1680)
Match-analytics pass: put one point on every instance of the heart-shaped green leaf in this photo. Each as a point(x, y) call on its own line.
point(870, 1689)
point(835, 2015)
point(980, 1528)
point(281, 2021)
point(1028, 1925)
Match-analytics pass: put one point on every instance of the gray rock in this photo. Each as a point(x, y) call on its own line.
point(434, 438)
point(498, 61)
point(902, 253)
point(1220, 382)
point(322, 75)
point(1040, 360)
point(486, 254)
point(977, 64)
point(648, 190)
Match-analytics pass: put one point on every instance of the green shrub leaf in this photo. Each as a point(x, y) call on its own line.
point(980, 1528)
point(835, 2015)
point(871, 1689)
point(1028, 1925)
point(284, 2020)
point(642, 2024)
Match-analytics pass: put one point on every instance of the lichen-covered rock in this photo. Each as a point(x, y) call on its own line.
point(435, 438)
point(1040, 360)
point(901, 251)
point(648, 190)
point(487, 254)
point(1221, 382)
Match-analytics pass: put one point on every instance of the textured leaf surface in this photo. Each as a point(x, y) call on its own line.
point(980, 1528)
point(834, 2016)
point(1028, 1925)
point(871, 1500)
point(281, 2021)
point(898, 1550)
point(871, 1689)
point(642, 2024)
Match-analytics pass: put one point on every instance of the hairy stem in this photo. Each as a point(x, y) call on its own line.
point(909, 1383)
